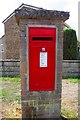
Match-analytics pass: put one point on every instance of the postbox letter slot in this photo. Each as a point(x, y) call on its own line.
point(42, 38)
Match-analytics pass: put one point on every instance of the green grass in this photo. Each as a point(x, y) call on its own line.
point(10, 88)
point(74, 80)
point(10, 94)
point(12, 79)
point(68, 113)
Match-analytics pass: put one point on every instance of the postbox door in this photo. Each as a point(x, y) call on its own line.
point(42, 66)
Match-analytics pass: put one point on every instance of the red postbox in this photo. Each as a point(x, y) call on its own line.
point(42, 58)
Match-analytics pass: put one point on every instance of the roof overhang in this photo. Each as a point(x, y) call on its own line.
point(31, 12)
point(25, 11)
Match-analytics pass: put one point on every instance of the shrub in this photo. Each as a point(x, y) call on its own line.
point(70, 51)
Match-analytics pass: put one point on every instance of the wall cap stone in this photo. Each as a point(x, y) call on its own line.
point(71, 61)
point(9, 60)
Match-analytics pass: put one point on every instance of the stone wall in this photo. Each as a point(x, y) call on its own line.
point(71, 68)
point(9, 67)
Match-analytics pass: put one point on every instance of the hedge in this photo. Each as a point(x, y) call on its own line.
point(70, 50)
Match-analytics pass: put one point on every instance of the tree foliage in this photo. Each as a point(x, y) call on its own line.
point(70, 51)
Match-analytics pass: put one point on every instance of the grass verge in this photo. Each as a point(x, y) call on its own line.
point(10, 88)
point(69, 114)
point(11, 79)
point(74, 80)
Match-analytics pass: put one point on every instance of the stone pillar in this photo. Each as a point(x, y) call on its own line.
point(43, 104)
point(40, 104)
